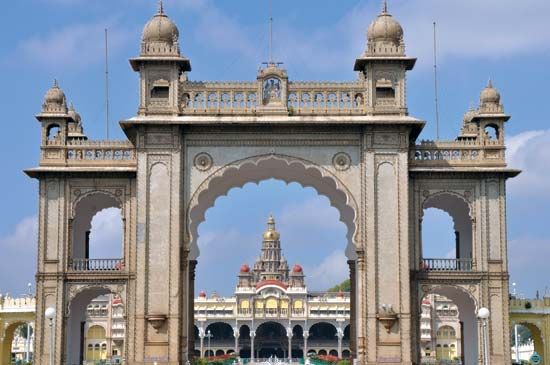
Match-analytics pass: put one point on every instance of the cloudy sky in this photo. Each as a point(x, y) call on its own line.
point(506, 40)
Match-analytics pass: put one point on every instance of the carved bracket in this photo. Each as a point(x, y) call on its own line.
point(157, 320)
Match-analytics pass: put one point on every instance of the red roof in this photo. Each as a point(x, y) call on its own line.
point(278, 283)
point(245, 268)
point(297, 268)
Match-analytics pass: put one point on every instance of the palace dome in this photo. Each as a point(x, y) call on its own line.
point(271, 234)
point(297, 269)
point(245, 268)
point(385, 28)
point(489, 94)
point(202, 294)
point(160, 29)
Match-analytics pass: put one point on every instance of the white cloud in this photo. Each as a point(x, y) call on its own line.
point(18, 258)
point(77, 45)
point(314, 212)
point(331, 271)
point(530, 152)
point(106, 234)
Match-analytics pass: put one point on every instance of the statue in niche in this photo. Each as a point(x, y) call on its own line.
point(272, 91)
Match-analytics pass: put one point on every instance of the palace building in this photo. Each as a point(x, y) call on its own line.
point(192, 141)
point(272, 312)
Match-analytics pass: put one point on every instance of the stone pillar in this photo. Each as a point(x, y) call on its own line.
point(201, 337)
point(191, 309)
point(252, 335)
point(236, 335)
point(340, 335)
point(289, 335)
point(353, 315)
point(306, 335)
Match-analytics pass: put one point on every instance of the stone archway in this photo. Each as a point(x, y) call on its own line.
point(538, 336)
point(263, 167)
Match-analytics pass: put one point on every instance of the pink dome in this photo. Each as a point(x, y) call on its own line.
point(202, 294)
point(297, 268)
point(245, 268)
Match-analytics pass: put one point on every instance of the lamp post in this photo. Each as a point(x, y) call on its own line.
point(483, 314)
point(28, 339)
point(50, 314)
point(209, 336)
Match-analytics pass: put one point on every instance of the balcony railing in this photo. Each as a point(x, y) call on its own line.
point(446, 265)
point(97, 264)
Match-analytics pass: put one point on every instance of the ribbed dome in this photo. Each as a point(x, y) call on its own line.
point(385, 28)
point(489, 94)
point(55, 95)
point(297, 269)
point(160, 29)
point(245, 268)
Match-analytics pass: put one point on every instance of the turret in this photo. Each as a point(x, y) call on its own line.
point(160, 66)
point(383, 65)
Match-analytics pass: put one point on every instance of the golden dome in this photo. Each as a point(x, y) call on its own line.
point(271, 234)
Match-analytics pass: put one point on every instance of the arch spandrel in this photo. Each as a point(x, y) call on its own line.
point(262, 167)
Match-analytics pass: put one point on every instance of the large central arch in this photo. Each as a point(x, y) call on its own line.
point(263, 167)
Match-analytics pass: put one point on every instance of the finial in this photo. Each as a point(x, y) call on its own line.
point(55, 84)
point(385, 7)
point(490, 83)
point(161, 7)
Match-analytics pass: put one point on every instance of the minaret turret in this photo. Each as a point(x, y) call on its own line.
point(160, 65)
point(384, 65)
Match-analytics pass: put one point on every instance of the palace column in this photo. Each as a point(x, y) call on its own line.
point(252, 335)
point(236, 335)
point(306, 335)
point(340, 335)
point(289, 335)
point(191, 309)
point(353, 315)
point(201, 337)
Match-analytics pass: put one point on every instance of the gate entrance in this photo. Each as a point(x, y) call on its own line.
point(192, 141)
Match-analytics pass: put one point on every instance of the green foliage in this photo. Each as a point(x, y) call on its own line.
point(344, 286)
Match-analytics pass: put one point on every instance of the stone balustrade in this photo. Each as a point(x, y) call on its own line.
point(301, 98)
point(466, 152)
point(89, 153)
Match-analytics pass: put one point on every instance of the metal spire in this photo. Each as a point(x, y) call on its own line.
point(385, 7)
point(161, 7)
point(490, 83)
point(55, 84)
point(270, 31)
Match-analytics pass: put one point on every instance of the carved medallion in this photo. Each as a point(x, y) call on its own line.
point(341, 161)
point(203, 161)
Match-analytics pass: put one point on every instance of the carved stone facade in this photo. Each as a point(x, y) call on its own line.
point(193, 141)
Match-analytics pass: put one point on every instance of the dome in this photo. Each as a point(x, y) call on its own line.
point(245, 268)
point(489, 94)
point(160, 29)
point(202, 294)
point(74, 114)
point(271, 234)
point(297, 269)
point(385, 28)
point(55, 95)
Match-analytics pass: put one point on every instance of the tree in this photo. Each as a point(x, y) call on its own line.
point(344, 286)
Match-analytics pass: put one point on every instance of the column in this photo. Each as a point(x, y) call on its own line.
point(252, 335)
point(236, 335)
point(306, 335)
point(340, 335)
point(352, 319)
point(289, 335)
point(201, 336)
point(191, 309)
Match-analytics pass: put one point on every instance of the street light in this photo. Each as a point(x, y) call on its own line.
point(50, 314)
point(28, 339)
point(209, 336)
point(483, 314)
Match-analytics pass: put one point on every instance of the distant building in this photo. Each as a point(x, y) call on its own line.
point(440, 330)
point(272, 313)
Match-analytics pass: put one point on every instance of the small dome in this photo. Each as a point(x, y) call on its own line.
point(385, 28)
point(245, 268)
point(297, 268)
point(489, 94)
point(160, 29)
point(55, 95)
point(202, 294)
point(74, 114)
point(271, 234)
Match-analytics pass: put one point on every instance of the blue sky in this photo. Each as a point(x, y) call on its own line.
point(506, 40)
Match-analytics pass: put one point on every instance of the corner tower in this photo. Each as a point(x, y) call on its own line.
point(160, 65)
point(384, 65)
